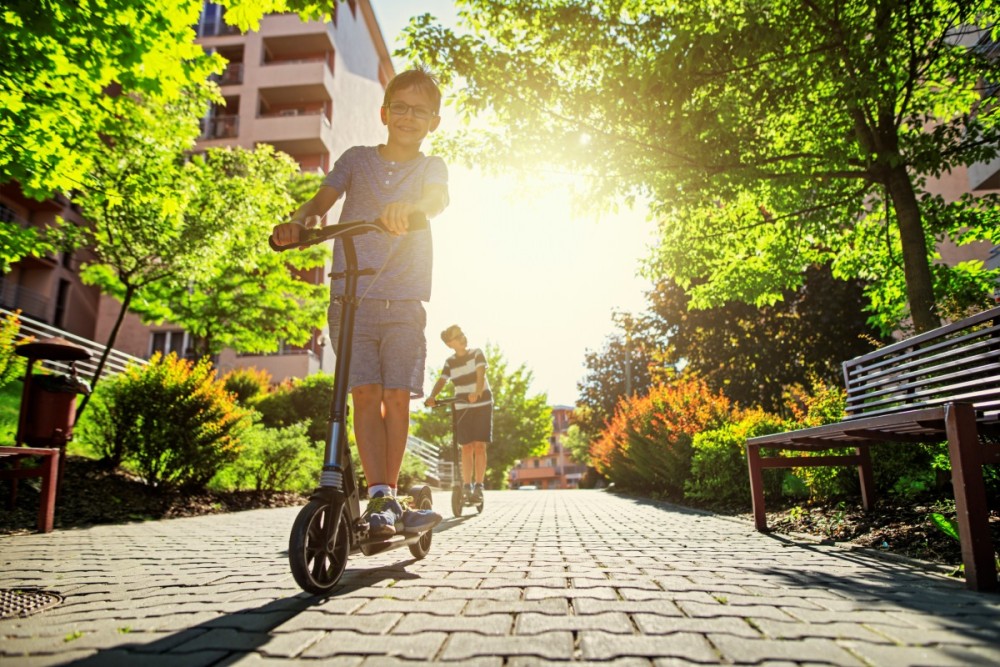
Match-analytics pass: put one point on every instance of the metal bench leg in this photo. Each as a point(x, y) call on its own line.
point(865, 476)
point(757, 488)
point(970, 498)
point(47, 497)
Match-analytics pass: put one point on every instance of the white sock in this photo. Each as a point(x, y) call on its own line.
point(384, 488)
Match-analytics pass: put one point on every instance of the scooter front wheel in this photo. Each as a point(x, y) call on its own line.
point(457, 500)
point(319, 545)
point(423, 501)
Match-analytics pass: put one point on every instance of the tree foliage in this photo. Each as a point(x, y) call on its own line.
point(249, 298)
point(522, 423)
point(625, 366)
point(61, 61)
point(754, 354)
point(769, 136)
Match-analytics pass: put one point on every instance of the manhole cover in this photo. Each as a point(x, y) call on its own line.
point(22, 602)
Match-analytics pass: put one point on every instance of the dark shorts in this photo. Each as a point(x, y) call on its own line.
point(388, 348)
point(474, 424)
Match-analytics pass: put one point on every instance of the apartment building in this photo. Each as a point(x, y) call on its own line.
point(311, 89)
point(556, 469)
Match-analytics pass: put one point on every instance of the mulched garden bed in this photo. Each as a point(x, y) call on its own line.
point(892, 527)
point(90, 495)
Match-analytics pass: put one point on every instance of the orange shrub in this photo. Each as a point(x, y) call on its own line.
point(646, 446)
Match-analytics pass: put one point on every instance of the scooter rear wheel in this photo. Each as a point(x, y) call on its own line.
point(457, 500)
point(319, 545)
point(423, 501)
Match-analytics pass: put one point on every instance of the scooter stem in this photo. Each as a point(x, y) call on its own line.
point(336, 446)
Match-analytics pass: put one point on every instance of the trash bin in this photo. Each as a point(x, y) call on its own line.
point(52, 409)
point(48, 403)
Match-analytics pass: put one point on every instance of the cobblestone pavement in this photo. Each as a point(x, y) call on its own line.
point(541, 577)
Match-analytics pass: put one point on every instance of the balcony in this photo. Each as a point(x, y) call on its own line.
point(294, 80)
point(231, 76)
point(28, 301)
point(296, 131)
point(219, 127)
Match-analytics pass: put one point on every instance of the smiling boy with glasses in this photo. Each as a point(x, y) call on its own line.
point(389, 181)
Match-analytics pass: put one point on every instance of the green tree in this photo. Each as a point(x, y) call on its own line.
point(753, 354)
point(145, 224)
point(250, 298)
point(522, 423)
point(61, 61)
point(769, 135)
point(624, 366)
point(73, 69)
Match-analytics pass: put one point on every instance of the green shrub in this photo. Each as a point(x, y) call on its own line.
point(275, 407)
point(719, 473)
point(306, 399)
point(312, 397)
point(172, 421)
point(824, 405)
point(247, 384)
point(12, 365)
point(273, 459)
point(412, 472)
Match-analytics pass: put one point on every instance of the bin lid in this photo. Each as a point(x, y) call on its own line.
point(55, 348)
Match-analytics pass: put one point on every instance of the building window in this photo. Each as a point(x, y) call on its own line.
point(7, 213)
point(62, 296)
point(165, 342)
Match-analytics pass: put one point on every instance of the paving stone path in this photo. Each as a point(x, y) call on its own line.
point(541, 577)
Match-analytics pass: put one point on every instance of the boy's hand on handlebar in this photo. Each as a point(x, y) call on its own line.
point(430, 402)
point(396, 217)
point(287, 233)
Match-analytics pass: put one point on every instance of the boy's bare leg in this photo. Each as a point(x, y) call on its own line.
point(397, 426)
point(480, 449)
point(468, 453)
point(370, 431)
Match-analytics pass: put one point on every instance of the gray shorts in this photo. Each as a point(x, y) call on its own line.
point(389, 347)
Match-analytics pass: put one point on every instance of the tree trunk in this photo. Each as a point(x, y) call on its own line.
point(129, 293)
point(916, 267)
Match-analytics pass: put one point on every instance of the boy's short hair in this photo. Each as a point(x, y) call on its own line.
point(420, 78)
point(451, 333)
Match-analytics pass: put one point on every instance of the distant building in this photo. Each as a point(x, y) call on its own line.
point(555, 470)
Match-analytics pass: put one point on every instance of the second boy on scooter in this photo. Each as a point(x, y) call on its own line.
point(474, 412)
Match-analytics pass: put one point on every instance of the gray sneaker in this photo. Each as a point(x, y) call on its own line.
point(381, 514)
point(418, 521)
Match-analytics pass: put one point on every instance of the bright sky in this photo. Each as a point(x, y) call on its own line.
point(518, 269)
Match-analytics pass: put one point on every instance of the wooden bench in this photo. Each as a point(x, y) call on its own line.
point(48, 470)
point(940, 385)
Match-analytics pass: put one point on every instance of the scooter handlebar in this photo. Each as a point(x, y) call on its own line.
point(308, 237)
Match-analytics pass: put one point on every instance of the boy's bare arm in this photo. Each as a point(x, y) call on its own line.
point(310, 213)
point(396, 216)
point(307, 215)
point(438, 386)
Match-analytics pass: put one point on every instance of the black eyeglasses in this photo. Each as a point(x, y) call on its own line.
point(401, 108)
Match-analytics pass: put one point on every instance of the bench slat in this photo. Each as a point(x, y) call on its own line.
point(970, 391)
point(938, 372)
point(887, 357)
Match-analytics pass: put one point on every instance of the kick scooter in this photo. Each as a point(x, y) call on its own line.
point(460, 496)
point(330, 527)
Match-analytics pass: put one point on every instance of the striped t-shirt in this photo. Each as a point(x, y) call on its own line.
point(461, 370)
